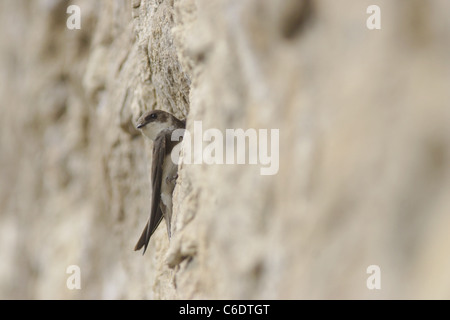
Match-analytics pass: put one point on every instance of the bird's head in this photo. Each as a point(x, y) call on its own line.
point(151, 123)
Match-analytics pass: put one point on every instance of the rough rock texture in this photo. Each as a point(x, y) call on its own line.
point(364, 123)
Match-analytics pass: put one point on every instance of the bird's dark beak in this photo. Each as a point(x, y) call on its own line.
point(141, 123)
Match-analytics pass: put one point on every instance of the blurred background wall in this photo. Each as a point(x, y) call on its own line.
point(364, 121)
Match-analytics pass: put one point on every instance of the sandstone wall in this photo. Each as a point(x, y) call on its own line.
point(364, 173)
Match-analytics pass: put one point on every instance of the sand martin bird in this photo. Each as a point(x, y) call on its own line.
point(158, 126)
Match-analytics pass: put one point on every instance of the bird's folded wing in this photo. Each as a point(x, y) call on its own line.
point(159, 152)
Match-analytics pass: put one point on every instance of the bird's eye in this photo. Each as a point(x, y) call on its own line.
point(151, 117)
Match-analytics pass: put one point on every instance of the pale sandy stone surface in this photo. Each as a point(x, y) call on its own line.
point(364, 121)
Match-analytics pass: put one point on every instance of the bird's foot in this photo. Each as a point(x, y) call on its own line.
point(172, 180)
